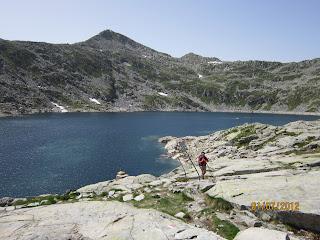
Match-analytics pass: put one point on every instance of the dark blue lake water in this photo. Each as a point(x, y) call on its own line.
point(51, 153)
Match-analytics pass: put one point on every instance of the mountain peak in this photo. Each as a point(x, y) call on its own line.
point(113, 41)
point(195, 58)
point(191, 55)
point(109, 35)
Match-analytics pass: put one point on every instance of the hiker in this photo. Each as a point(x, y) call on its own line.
point(202, 161)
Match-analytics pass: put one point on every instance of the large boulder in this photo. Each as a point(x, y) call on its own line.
point(126, 184)
point(302, 187)
point(6, 201)
point(261, 234)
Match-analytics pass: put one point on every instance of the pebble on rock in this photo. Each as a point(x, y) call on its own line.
point(127, 197)
point(180, 215)
point(139, 198)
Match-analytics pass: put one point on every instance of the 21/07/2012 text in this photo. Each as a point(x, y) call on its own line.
point(275, 206)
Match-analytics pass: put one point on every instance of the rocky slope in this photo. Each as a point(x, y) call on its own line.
point(260, 163)
point(110, 72)
point(249, 163)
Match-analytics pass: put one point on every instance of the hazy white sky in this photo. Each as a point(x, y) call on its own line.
point(280, 30)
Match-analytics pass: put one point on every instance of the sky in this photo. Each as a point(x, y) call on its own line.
point(274, 30)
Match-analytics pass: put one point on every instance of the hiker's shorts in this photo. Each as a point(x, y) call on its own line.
point(203, 166)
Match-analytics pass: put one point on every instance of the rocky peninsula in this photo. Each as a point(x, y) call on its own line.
point(249, 163)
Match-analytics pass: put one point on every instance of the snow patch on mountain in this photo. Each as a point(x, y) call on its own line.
point(163, 94)
point(62, 108)
point(94, 100)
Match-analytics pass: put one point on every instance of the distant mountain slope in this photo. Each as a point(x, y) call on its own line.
point(111, 72)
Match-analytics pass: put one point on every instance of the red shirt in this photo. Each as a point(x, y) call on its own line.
point(202, 160)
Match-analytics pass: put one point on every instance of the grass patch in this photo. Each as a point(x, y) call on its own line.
point(273, 139)
point(118, 198)
point(232, 130)
point(182, 179)
point(244, 136)
point(293, 134)
point(155, 101)
point(104, 194)
point(303, 151)
point(170, 203)
point(218, 204)
point(66, 197)
point(50, 199)
point(116, 190)
point(224, 228)
point(304, 143)
point(246, 131)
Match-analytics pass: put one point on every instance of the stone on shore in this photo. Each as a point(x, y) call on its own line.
point(6, 201)
point(127, 184)
point(121, 174)
point(261, 234)
point(127, 197)
point(193, 233)
point(139, 198)
point(180, 215)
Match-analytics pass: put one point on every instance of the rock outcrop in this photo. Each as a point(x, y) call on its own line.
point(261, 234)
point(260, 163)
point(96, 220)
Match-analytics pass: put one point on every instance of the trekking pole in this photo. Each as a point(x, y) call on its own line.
point(211, 169)
point(185, 173)
point(184, 148)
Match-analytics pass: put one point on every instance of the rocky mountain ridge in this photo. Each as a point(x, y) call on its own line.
point(249, 163)
point(111, 72)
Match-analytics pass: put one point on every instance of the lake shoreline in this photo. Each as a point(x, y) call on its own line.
point(53, 129)
point(2, 115)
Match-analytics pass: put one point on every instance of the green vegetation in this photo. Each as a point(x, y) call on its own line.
point(303, 94)
point(118, 198)
point(170, 203)
point(245, 136)
point(301, 147)
point(245, 132)
point(182, 179)
point(312, 109)
point(153, 102)
point(293, 134)
point(290, 77)
point(306, 142)
point(294, 100)
point(227, 132)
point(66, 197)
point(218, 204)
point(16, 55)
point(304, 151)
point(223, 227)
point(233, 130)
point(47, 200)
point(314, 105)
point(274, 138)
